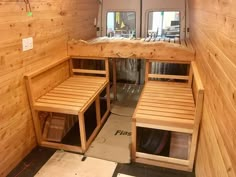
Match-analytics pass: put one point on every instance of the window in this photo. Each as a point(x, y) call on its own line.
point(164, 24)
point(121, 24)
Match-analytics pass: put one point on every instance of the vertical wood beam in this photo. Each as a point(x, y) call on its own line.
point(82, 131)
point(34, 113)
point(190, 76)
point(98, 112)
point(133, 140)
point(147, 68)
point(114, 79)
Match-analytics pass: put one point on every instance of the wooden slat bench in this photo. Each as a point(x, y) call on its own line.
point(74, 94)
point(171, 106)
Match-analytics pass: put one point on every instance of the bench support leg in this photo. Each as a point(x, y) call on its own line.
point(108, 97)
point(114, 79)
point(134, 141)
point(98, 112)
point(82, 131)
point(37, 126)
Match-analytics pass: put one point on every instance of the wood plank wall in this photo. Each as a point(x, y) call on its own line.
point(213, 33)
point(52, 24)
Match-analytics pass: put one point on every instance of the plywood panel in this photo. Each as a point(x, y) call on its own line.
point(213, 34)
point(52, 24)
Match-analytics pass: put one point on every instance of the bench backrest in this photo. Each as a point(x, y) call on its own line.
point(41, 81)
point(186, 78)
point(97, 72)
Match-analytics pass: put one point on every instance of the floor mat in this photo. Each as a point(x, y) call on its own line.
point(113, 141)
point(120, 110)
point(127, 98)
point(65, 164)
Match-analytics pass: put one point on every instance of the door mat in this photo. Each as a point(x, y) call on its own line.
point(113, 141)
point(65, 164)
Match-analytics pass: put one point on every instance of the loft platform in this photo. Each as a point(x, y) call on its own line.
point(162, 49)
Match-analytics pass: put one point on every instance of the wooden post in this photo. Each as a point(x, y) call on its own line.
point(190, 77)
point(198, 115)
point(114, 79)
point(107, 68)
point(134, 141)
point(34, 113)
point(147, 70)
point(71, 67)
point(98, 112)
point(82, 131)
point(108, 97)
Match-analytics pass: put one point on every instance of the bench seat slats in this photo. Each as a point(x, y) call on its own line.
point(77, 87)
point(68, 93)
point(161, 112)
point(67, 96)
point(167, 110)
point(74, 90)
point(81, 84)
point(75, 93)
point(157, 98)
point(86, 79)
point(164, 95)
point(166, 104)
point(168, 88)
point(170, 123)
point(148, 113)
point(49, 107)
point(170, 93)
point(75, 100)
point(161, 83)
point(59, 102)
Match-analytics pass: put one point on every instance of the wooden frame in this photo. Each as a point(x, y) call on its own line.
point(155, 49)
point(92, 96)
point(193, 82)
point(187, 78)
point(132, 48)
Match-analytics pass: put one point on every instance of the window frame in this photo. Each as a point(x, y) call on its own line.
point(150, 11)
point(135, 21)
point(122, 6)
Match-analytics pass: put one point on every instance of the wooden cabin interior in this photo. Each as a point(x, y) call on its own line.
point(162, 74)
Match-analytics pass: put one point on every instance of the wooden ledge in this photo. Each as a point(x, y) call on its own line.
point(126, 48)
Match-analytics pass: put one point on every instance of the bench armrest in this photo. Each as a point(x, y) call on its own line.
point(197, 77)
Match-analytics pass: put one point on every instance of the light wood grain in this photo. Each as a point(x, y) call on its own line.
point(175, 107)
point(52, 23)
point(212, 25)
point(130, 49)
point(63, 98)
